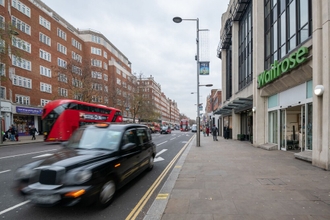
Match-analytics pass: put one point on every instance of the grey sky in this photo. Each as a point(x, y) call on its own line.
point(145, 33)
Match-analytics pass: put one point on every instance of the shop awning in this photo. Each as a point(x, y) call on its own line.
point(238, 105)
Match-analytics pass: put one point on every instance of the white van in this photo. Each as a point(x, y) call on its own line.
point(194, 128)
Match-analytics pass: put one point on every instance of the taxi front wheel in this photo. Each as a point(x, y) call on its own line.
point(107, 193)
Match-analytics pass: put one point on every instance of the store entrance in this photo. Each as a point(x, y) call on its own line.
point(293, 129)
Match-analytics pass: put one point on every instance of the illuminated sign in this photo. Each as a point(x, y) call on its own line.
point(85, 116)
point(277, 69)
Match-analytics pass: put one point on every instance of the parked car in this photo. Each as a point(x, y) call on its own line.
point(165, 130)
point(194, 128)
point(96, 161)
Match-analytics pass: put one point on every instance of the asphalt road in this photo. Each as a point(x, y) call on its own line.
point(131, 202)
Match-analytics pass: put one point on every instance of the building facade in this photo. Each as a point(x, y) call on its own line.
point(275, 64)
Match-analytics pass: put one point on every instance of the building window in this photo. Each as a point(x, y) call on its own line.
point(2, 69)
point(44, 102)
point(23, 100)
point(21, 44)
point(96, 75)
point(96, 39)
point(105, 77)
point(22, 82)
point(96, 51)
point(62, 78)
point(2, 92)
point(44, 39)
point(61, 34)
point(45, 71)
point(76, 57)
point(22, 63)
point(44, 22)
point(45, 55)
point(76, 44)
point(76, 70)
point(20, 25)
point(97, 63)
point(21, 7)
point(44, 87)
point(288, 23)
point(61, 63)
point(62, 92)
point(245, 49)
point(61, 48)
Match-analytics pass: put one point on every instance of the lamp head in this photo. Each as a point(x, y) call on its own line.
point(177, 19)
point(318, 90)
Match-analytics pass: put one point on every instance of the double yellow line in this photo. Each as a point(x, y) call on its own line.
point(137, 209)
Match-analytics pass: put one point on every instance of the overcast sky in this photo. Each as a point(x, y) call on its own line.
point(146, 34)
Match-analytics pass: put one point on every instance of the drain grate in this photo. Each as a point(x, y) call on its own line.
point(270, 181)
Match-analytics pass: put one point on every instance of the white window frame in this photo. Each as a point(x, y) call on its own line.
point(62, 92)
point(62, 63)
point(21, 7)
point(45, 39)
point(44, 22)
point(45, 87)
point(61, 34)
point(61, 48)
point(44, 102)
point(21, 63)
point(20, 25)
point(62, 78)
point(45, 55)
point(22, 81)
point(22, 99)
point(21, 44)
point(45, 71)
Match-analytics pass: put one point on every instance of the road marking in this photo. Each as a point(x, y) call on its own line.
point(172, 139)
point(157, 158)
point(5, 171)
point(137, 209)
point(161, 143)
point(43, 155)
point(162, 196)
point(19, 155)
point(14, 207)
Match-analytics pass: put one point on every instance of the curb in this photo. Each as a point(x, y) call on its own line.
point(157, 208)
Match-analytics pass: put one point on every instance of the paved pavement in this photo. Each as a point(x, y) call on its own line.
point(230, 179)
point(23, 140)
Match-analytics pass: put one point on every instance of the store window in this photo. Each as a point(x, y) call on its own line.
point(23, 123)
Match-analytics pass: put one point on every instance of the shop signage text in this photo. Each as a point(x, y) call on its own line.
point(286, 65)
point(31, 111)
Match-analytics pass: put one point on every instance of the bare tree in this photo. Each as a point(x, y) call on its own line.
point(84, 81)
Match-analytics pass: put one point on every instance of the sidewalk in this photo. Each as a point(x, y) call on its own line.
point(23, 140)
point(230, 179)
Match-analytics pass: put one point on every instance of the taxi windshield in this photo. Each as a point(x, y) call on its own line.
point(95, 139)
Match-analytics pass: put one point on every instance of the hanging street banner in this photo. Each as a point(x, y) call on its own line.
point(204, 68)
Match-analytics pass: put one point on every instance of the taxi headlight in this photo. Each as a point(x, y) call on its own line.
point(78, 176)
point(83, 176)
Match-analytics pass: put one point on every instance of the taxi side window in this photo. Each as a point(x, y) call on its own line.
point(142, 136)
point(129, 137)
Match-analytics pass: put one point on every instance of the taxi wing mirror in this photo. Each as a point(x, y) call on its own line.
point(128, 146)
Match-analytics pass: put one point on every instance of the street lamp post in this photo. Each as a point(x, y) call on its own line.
point(179, 20)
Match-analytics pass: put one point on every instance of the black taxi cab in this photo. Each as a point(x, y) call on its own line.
point(96, 161)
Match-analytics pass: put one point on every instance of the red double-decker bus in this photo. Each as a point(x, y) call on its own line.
point(60, 118)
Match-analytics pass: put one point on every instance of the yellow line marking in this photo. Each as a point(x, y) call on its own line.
point(177, 166)
point(137, 209)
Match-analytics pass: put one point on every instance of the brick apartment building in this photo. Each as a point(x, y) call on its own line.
point(49, 57)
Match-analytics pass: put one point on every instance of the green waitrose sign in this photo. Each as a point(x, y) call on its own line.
point(286, 65)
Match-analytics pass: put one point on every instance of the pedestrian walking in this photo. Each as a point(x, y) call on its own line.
point(12, 133)
point(215, 132)
point(33, 131)
point(207, 131)
point(204, 132)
